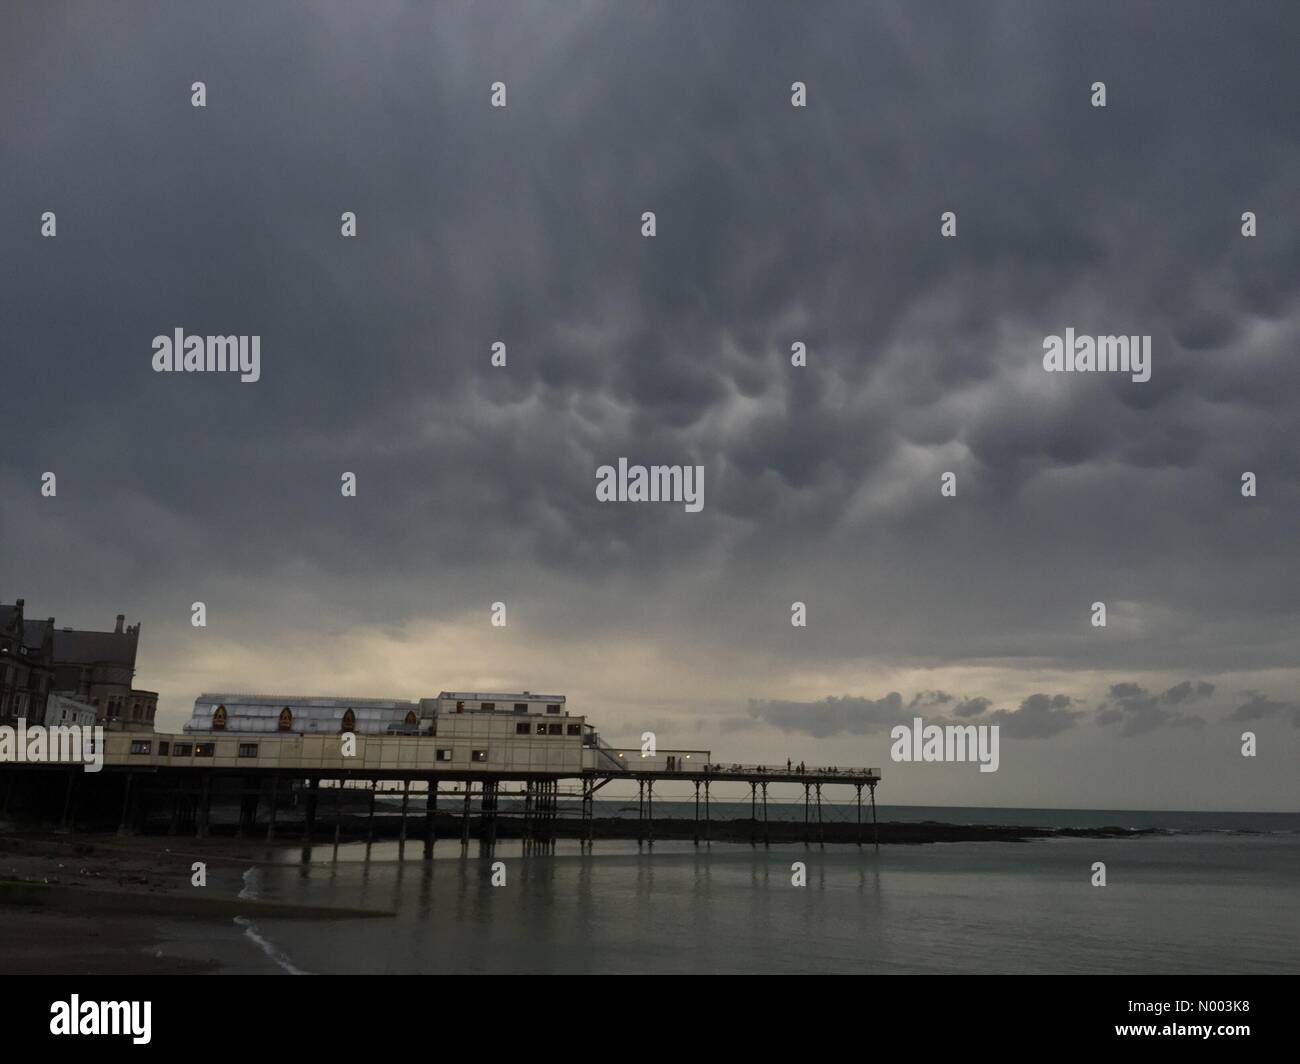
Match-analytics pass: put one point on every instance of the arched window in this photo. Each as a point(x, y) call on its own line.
point(349, 721)
point(286, 720)
point(219, 719)
point(411, 718)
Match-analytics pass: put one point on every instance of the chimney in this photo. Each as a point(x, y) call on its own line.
point(120, 618)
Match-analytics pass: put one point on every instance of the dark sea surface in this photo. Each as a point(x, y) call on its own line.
point(1219, 893)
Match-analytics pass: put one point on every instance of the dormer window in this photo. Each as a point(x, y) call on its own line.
point(219, 719)
point(349, 721)
point(286, 720)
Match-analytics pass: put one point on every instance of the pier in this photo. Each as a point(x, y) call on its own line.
point(171, 784)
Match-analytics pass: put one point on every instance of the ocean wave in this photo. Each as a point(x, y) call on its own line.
point(268, 947)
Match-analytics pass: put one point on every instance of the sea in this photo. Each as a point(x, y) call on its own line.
point(1212, 893)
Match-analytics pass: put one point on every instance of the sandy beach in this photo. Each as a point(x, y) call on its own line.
point(106, 905)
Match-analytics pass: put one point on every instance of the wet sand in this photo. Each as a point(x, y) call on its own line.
point(96, 906)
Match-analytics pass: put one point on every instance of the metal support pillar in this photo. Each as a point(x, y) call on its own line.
point(338, 815)
point(821, 830)
point(807, 793)
point(204, 817)
point(875, 828)
point(707, 833)
point(858, 788)
point(275, 801)
point(124, 821)
point(370, 817)
point(697, 812)
point(406, 801)
point(430, 815)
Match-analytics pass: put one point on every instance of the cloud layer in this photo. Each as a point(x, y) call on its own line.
point(775, 225)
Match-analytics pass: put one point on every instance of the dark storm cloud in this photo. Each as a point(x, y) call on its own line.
point(775, 225)
point(1260, 707)
point(1039, 716)
point(1137, 711)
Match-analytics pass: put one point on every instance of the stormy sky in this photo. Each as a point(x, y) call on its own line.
point(775, 225)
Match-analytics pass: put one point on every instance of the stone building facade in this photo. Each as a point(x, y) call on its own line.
point(26, 666)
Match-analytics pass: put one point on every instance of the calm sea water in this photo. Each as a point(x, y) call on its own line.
point(1219, 894)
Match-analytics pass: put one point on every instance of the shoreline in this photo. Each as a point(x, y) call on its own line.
point(100, 905)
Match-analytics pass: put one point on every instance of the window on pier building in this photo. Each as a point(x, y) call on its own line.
point(248, 749)
point(350, 721)
point(541, 729)
point(164, 748)
point(443, 755)
point(410, 717)
point(555, 709)
point(141, 746)
point(478, 755)
point(205, 749)
point(183, 749)
point(491, 706)
point(523, 728)
point(286, 720)
point(575, 729)
point(521, 707)
point(555, 729)
point(219, 719)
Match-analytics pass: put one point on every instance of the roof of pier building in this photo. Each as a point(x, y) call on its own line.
point(300, 714)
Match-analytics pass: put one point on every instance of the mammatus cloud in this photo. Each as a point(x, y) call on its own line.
point(818, 225)
point(1136, 711)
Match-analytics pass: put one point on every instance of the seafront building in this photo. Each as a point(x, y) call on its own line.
point(97, 669)
point(457, 730)
point(26, 665)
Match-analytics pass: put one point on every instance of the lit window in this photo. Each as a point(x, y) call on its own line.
point(141, 746)
point(478, 755)
point(205, 749)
